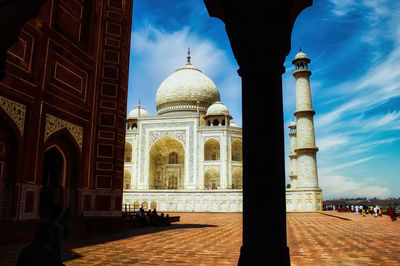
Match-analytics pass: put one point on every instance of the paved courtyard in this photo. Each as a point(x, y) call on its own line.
point(214, 239)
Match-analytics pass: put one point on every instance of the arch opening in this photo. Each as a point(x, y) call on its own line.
point(212, 178)
point(60, 173)
point(167, 164)
point(127, 179)
point(237, 178)
point(212, 150)
point(128, 152)
point(237, 150)
point(8, 169)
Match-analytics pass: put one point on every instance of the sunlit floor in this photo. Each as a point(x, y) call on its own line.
point(318, 239)
point(215, 239)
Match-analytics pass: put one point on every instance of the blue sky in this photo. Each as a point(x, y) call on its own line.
point(354, 47)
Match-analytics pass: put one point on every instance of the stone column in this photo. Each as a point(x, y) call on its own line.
point(259, 33)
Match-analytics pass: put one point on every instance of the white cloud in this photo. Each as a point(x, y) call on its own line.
point(332, 142)
point(348, 164)
point(342, 7)
point(337, 186)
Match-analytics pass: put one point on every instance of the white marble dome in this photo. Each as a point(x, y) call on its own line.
point(183, 89)
point(292, 124)
point(300, 55)
point(134, 113)
point(217, 108)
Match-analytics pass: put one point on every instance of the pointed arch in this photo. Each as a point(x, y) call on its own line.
point(128, 152)
point(167, 164)
point(237, 178)
point(11, 154)
point(212, 178)
point(212, 150)
point(66, 191)
point(237, 150)
point(127, 179)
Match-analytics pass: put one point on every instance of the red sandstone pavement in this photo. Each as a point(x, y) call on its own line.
point(328, 238)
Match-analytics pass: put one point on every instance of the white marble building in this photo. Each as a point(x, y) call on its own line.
point(187, 157)
point(304, 193)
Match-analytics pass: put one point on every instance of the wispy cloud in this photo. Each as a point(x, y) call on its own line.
point(337, 186)
point(355, 115)
point(342, 7)
point(348, 164)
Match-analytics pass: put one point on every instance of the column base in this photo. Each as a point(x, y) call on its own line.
point(268, 255)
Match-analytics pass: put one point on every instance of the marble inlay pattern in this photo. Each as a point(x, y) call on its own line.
point(16, 111)
point(54, 124)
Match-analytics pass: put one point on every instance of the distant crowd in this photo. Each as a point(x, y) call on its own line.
point(152, 217)
point(364, 210)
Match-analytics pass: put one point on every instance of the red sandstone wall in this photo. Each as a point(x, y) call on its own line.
point(67, 78)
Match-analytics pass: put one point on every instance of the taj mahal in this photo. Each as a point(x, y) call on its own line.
point(187, 157)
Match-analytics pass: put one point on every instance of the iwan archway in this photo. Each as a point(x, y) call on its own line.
point(167, 164)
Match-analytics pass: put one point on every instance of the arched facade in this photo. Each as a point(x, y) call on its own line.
point(127, 179)
point(212, 178)
point(167, 164)
point(9, 149)
point(182, 155)
point(237, 154)
point(128, 152)
point(212, 150)
point(61, 171)
point(237, 178)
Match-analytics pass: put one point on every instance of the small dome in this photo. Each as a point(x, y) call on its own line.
point(292, 124)
point(217, 108)
point(134, 113)
point(300, 55)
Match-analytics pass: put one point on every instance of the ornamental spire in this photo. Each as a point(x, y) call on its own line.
point(188, 57)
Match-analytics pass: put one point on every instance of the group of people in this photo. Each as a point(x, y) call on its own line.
point(152, 218)
point(364, 210)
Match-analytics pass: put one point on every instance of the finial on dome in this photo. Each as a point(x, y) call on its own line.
point(188, 57)
point(300, 48)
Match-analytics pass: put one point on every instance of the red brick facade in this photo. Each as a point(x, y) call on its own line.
point(65, 88)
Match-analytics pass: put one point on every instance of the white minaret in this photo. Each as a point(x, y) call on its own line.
point(305, 195)
point(292, 155)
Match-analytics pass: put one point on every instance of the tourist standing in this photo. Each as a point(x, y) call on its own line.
point(376, 211)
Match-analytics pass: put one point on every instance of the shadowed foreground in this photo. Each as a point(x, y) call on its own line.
point(215, 239)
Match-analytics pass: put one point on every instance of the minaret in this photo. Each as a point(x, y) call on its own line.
point(292, 155)
point(306, 161)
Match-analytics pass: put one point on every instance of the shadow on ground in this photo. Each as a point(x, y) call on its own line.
point(9, 254)
point(74, 243)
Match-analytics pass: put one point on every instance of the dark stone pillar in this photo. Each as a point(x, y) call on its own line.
point(264, 211)
point(259, 33)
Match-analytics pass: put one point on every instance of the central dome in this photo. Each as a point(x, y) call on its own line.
point(181, 91)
